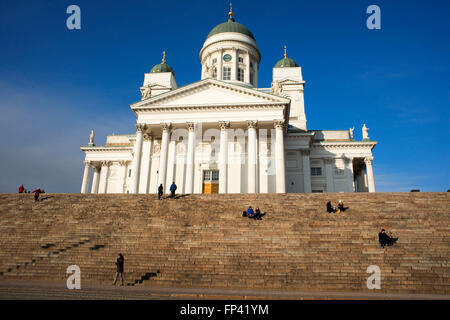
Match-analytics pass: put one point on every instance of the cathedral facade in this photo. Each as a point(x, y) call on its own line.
point(224, 134)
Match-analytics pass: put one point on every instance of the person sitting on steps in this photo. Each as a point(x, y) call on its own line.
point(341, 207)
point(37, 192)
point(330, 207)
point(258, 215)
point(250, 212)
point(384, 239)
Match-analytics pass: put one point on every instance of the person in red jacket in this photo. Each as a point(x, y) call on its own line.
point(21, 189)
point(37, 192)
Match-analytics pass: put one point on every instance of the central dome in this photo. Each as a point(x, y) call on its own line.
point(231, 26)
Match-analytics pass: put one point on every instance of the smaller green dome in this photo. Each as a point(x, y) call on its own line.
point(286, 63)
point(162, 67)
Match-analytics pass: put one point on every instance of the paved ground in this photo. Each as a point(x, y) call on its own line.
point(17, 290)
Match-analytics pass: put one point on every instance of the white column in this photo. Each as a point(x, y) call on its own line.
point(223, 157)
point(190, 159)
point(369, 172)
point(220, 65)
point(234, 64)
point(306, 171)
point(135, 170)
point(329, 174)
point(86, 175)
point(350, 177)
point(279, 157)
point(122, 175)
point(247, 68)
point(251, 156)
point(95, 180)
point(145, 163)
point(171, 165)
point(103, 188)
point(163, 153)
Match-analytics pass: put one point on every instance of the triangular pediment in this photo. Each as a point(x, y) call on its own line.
point(210, 92)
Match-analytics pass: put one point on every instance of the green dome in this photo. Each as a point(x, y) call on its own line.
point(231, 26)
point(286, 63)
point(162, 67)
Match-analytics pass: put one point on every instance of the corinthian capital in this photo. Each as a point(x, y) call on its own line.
point(191, 126)
point(224, 125)
point(166, 126)
point(368, 160)
point(140, 127)
point(148, 135)
point(329, 160)
point(305, 152)
point(252, 124)
point(106, 163)
point(87, 163)
point(278, 124)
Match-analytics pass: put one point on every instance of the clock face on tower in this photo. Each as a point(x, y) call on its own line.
point(227, 58)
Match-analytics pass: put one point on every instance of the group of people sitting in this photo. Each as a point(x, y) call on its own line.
point(36, 192)
point(336, 209)
point(253, 214)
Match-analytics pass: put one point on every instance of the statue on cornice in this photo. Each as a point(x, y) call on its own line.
point(145, 92)
point(365, 134)
point(91, 138)
point(350, 131)
point(276, 88)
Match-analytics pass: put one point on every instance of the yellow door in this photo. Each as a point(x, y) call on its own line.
point(210, 181)
point(206, 187)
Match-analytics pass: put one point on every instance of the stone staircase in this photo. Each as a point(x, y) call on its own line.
point(203, 241)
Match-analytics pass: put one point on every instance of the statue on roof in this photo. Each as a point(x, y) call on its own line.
point(276, 88)
point(365, 134)
point(145, 92)
point(91, 138)
point(350, 131)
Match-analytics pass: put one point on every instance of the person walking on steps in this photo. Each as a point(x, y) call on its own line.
point(160, 191)
point(119, 269)
point(173, 187)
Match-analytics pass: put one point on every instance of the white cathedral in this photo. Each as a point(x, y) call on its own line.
point(224, 134)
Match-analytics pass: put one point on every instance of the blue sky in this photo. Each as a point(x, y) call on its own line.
point(57, 84)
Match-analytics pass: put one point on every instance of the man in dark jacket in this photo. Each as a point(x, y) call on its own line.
point(173, 187)
point(119, 268)
point(160, 191)
point(384, 239)
point(330, 208)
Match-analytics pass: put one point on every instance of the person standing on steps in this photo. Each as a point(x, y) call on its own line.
point(160, 191)
point(21, 189)
point(173, 187)
point(119, 268)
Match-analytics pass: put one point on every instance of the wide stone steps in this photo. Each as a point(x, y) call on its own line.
point(202, 240)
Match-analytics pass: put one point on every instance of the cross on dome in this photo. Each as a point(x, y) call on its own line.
point(230, 14)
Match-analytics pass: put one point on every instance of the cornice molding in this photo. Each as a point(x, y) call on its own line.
point(107, 149)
